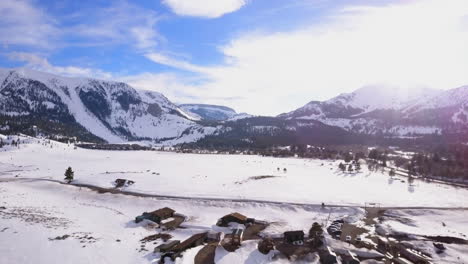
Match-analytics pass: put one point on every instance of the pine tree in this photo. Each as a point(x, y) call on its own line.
point(315, 230)
point(342, 167)
point(69, 174)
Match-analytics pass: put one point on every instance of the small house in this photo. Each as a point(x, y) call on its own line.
point(214, 236)
point(327, 256)
point(231, 242)
point(294, 237)
point(413, 255)
point(156, 216)
point(237, 236)
point(164, 248)
point(193, 241)
point(350, 258)
point(232, 218)
point(401, 261)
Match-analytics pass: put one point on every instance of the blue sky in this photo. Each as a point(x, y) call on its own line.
point(258, 56)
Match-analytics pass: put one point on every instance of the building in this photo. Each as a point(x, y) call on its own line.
point(413, 255)
point(350, 258)
point(214, 236)
point(156, 216)
point(401, 261)
point(166, 247)
point(327, 256)
point(191, 242)
point(232, 218)
point(294, 237)
point(232, 241)
point(237, 236)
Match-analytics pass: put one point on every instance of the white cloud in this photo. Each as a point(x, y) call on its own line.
point(417, 43)
point(171, 85)
point(122, 22)
point(176, 63)
point(204, 8)
point(40, 63)
point(21, 23)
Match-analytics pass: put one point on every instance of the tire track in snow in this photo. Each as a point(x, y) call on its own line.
point(214, 199)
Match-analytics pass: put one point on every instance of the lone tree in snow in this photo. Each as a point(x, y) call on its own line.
point(69, 175)
point(342, 167)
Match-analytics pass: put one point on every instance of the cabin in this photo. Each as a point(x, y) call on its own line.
point(166, 247)
point(193, 241)
point(122, 182)
point(413, 256)
point(327, 256)
point(236, 236)
point(401, 261)
point(350, 258)
point(232, 218)
point(232, 241)
point(335, 228)
point(214, 236)
point(156, 216)
point(439, 247)
point(385, 245)
point(294, 237)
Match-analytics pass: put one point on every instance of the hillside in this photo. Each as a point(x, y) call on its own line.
point(391, 111)
point(111, 111)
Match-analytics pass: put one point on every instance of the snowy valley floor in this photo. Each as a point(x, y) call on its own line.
point(50, 222)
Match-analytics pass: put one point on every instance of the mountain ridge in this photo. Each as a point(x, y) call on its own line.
point(116, 112)
point(370, 111)
point(113, 111)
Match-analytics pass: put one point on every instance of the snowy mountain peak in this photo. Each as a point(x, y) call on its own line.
point(390, 110)
point(113, 111)
point(373, 97)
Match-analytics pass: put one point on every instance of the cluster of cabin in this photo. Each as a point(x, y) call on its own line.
point(400, 253)
point(391, 250)
point(293, 244)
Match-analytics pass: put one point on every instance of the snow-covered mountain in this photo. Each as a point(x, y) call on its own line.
point(391, 111)
point(212, 112)
point(98, 110)
point(112, 111)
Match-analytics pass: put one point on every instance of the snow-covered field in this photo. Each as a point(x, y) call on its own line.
point(429, 222)
point(100, 227)
point(228, 176)
point(36, 211)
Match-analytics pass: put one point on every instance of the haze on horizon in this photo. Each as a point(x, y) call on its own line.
point(263, 57)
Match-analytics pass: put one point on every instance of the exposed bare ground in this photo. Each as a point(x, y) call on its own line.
point(34, 215)
point(256, 178)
